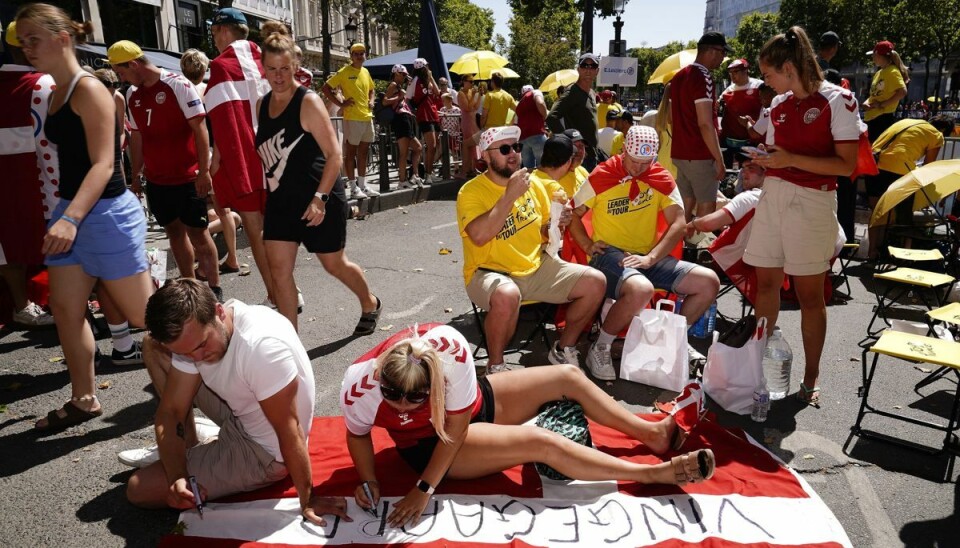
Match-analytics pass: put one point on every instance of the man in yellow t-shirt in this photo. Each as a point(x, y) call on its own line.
point(577, 174)
point(627, 193)
point(356, 85)
point(497, 103)
point(898, 149)
point(503, 215)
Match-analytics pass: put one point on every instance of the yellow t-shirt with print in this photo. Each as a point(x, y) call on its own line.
point(515, 250)
point(630, 226)
point(550, 185)
point(617, 146)
point(572, 181)
point(885, 82)
point(496, 104)
point(356, 84)
point(913, 139)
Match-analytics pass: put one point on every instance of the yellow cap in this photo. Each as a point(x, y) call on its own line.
point(358, 47)
point(11, 37)
point(123, 51)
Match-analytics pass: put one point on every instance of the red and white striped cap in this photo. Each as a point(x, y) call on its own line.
point(500, 133)
point(641, 142)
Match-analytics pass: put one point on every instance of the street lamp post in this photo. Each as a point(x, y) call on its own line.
point(619, 49)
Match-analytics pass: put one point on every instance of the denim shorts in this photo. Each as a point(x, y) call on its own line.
point(532, 150)
point(666, 274)
point(110, 242)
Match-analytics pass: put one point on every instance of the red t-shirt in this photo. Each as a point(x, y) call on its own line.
point(692, 85)
point(420, 98)
point(811, 127)
point(740, 101)
point(160, 113)
point(528, 117)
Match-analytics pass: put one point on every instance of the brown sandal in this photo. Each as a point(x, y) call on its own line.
point(74, 416)
point(683, 473)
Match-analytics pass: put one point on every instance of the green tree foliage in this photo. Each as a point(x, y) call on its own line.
point(460, 22)
point(542, 45)
point(754, 30)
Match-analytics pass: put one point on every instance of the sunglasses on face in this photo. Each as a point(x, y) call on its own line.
point(589, 66)
point(505, 149)
point(395, 394)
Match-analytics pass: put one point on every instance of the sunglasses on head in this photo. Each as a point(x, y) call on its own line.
point(505, 149)
point(590, 66)
point(395, 394)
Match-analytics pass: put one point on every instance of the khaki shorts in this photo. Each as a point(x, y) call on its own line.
point(794, 228)
point(551, 283)
point(695, 179)
point(232, 463)
point(355, 131)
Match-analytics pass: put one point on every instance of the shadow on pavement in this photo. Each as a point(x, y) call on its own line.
point(137, 526)
point(894, 458)
point(934, 532)
point(22, 451)
point(330, 347)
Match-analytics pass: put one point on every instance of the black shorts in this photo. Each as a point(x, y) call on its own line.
point(169, 203)
point(879, 183)
point(403, 126)
point(878, 125)
point(429, 127)
point(282, 220)
point(418, 455)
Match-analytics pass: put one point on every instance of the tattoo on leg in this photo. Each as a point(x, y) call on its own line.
point(180, 430)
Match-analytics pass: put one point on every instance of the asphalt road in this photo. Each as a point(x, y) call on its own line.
point(68, 489)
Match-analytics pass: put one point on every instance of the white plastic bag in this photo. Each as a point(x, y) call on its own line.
point(732, 374)
point(655, 349)
point(554, 232)
point(157, 258)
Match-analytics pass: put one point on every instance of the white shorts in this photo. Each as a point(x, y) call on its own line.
point(356, 131)
point(794, 228)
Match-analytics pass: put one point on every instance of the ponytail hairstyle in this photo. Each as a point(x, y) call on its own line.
point(663, 112)
point(794, 46)
point(413, 364)
point(896, 61)
point(277, 40)
point(56, 21)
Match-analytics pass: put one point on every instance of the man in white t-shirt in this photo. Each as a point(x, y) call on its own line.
point(246, 369)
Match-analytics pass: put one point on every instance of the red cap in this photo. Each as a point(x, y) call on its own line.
point(883, 47)
point(738, 63)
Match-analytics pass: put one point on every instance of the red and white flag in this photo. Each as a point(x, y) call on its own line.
point(236, 83)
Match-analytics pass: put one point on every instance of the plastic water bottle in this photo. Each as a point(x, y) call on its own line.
point(761, 403)
point(705, 324)
point(711, 319)
point(777, 361)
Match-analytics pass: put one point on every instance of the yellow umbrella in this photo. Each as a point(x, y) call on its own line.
point(927, 185)
point(506, 72)
point(478, 62)
point(565, 77)
point(671, 65)
point(933, 99)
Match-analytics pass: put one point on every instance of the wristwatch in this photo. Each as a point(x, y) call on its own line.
point(324, 197)
point(425, 487)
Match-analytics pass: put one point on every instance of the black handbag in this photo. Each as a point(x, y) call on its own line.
point(740, 333)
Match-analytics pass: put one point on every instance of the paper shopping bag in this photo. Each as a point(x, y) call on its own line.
point(733, 373)
point(655, 349)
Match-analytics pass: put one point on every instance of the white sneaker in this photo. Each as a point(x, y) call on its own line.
point(430, 179)
point(355, 192)
point(406, 184)
point(694, 356)
point(569, 354)
point(417, 181)
point(299, 301)
point(139, 458)
point(33, 316)
point(268, 303)
point(369, 191)
point(600, 363)
point(496, 368)
point(207, 430)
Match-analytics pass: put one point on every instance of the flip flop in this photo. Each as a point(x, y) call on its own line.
point(706, 465)
point(809, 396)
point(74, 416)
point(368, 321)
point(227, 269)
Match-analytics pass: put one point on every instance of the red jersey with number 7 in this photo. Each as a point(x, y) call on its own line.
point(160, 113)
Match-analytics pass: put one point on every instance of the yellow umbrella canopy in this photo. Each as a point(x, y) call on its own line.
point(926, 185)
point(478, 63)
point(671, 65)
point(563, 77)
point(506, 72)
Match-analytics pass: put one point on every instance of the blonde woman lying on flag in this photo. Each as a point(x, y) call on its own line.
point(422, 388)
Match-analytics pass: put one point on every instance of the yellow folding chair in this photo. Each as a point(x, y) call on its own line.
point(901, 281)
point(912, 349)
point(949, 316)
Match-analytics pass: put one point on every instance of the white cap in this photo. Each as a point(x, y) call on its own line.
point(398, 68)
point(525, 89)
point(591, 56)
point(499, 133)
point(419, 63)
point(641, 142)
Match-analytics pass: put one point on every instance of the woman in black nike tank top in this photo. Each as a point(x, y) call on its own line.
point(98, 230)
point(306, 202)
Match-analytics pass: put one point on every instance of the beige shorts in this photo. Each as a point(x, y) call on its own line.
point(551, 283)
point(355, 131)
point(232, 463)
point(794, 228)
point(695, 179)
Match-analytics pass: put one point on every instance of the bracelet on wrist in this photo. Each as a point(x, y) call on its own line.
point(70, 220)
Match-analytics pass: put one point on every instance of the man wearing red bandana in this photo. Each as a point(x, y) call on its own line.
point(627, 194)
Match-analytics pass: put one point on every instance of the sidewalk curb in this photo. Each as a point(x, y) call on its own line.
point(440, 190)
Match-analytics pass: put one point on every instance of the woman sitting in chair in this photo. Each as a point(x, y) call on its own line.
point(424, 391)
